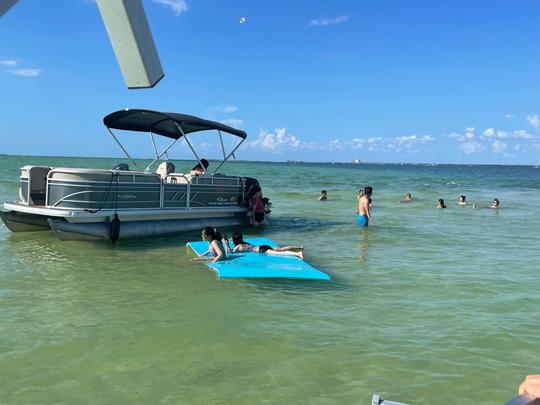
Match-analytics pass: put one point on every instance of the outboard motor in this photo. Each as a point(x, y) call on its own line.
point(121, 166)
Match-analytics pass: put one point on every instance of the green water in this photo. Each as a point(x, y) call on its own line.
point(427, 306)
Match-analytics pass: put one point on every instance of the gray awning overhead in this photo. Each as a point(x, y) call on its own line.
point(164, 123)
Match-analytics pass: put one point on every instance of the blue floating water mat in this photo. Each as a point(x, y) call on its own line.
point(260, 265)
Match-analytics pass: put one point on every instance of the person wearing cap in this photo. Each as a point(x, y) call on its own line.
point(200, 168)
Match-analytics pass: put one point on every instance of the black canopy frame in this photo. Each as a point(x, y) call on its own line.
point(170, 125)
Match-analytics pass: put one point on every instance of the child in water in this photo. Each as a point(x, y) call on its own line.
point(215, 248)
point(323, 196)
point(495, 203)
point(241, 246)
point(440, 203)
point(461, 200)
point(408, 198)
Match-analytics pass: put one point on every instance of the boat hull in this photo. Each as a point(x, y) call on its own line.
point(20, 222)
point(65, 230)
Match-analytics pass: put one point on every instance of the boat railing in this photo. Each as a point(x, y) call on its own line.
point(70, 189)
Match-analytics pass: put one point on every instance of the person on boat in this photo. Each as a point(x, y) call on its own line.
point(200, 168)
point(363, 215)
point(241, 246)
point(440, 203)
point(215, 251)
point(257, 207)
point(461, 200)
point(495, 203)
point(323, 196)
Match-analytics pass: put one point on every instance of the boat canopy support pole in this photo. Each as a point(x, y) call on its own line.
point(189, 144)
point(154, 143)
point(229, 155)
point(124, 149)
point(160, 155)
point(222, 146)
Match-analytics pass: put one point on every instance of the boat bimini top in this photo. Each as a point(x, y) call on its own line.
point(170, 125)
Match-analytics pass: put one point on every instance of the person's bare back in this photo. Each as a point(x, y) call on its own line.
point(364, 215)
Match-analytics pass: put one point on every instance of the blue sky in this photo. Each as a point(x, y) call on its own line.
point(387, 81)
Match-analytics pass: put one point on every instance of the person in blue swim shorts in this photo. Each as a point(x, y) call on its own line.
point(363, 215)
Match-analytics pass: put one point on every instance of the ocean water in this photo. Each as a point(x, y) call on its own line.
point(427, 306)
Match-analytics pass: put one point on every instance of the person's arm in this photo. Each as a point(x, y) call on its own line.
point(203, 256)
point(531, 385)
point(368, 212)
point(220, 254)
point(204, 253)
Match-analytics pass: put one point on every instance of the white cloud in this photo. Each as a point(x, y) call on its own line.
point(380, 144)
point(468, 135)
point(230, 108)
point(26, 72)
point(509, 116)
point(498, 146)
point(322, 22)
point(233, 122)
point(9, 62)
point(534, 121)
point(517, 134)
point(278, 140)
point(177, 6)
point(471, 147)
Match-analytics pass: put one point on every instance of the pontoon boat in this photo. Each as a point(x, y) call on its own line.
point(122, 203)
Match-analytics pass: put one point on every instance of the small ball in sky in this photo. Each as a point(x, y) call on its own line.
point(242, 20)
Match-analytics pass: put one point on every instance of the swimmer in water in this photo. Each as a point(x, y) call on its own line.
point(363, 215)
point(461, 200)
point(323, 196)
point(215, 248)
point(408, 198)
point(495, 203)
point(440, 203)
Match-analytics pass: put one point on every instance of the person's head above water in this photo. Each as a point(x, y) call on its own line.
point(495, 202)
point(237, 239)
point(462, 198)
point(368, 190)
point(323, 192)
point(210, 234)
point(441, 203)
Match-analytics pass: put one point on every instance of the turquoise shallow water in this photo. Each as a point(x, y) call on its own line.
point(427, 306)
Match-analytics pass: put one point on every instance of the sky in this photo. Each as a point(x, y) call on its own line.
point(379, 81)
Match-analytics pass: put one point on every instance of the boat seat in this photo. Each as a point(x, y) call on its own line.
point(164, 169)
point(179, 178)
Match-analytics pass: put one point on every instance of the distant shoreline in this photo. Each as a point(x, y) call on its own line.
point(292, 162)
